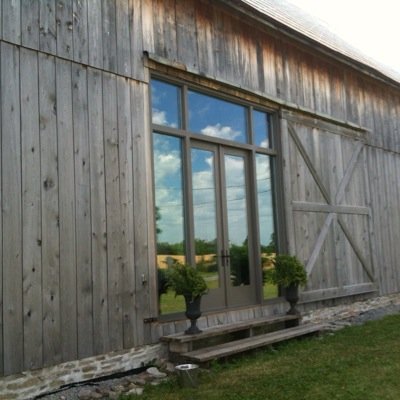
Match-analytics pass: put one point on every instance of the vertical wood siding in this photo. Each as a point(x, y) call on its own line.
point(69, 161)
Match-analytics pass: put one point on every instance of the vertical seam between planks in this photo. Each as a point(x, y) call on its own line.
point(75, 214)
point(105, 205)
point(1, 213)
point(21, 204)
point(40, 199)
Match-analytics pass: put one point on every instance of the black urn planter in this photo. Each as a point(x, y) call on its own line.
point(292, 296)
point(193, 313)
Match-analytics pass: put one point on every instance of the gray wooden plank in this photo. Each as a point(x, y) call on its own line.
point(48, 28)
point(126, 205)
point(30, 23)
point(69, 340)
point(114, 237)
point(204, 38)
point(1, 227)
point(150, 222)
point(80, 29)
point(64, 20)
point(95, 33)
point(109, 35)
point(147, 25)
point(82, 212)
point(50, 211)
point(123, 38)
point(136, 39)
point(98, 212)
point(31, 211)
point(11, 210)
point(141, 208)
point(11, 22)
point(186, 34)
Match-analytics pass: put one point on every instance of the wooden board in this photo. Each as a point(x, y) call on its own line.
point(98, 212)
point(11, 21)
point(123, 37)
point(31, 211)
point(48, 28)
point(81, 30)
point(50, 211)
point(11, 210)
point(64, 18)
point(109, 35)
point(30, 23)
point(95, 33)
point(126, 206)
point(113, 203)
point(68, 273)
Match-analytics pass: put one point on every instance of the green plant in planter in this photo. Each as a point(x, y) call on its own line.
point(186, 281)
point(287, 271)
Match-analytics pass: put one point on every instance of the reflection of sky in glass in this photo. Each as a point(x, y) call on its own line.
point(236, 199)
point(165, 104)
point(261, 128)
point(264, 196)
point(204, 203)
point(215, 117)
point(168, 188)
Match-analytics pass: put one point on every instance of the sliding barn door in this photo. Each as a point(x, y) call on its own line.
point(327, 206)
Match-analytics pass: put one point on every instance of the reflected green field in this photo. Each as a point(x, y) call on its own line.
point(173, 304)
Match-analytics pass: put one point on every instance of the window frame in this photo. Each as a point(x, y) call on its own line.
point(250, 102)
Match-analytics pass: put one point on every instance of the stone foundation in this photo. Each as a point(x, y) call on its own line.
point(30, 384)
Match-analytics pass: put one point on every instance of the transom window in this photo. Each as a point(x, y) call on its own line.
point(214, 161)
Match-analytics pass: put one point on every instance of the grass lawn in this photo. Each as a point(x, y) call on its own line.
point(360, 362)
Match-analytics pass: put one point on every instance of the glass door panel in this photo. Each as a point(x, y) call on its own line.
point(205, 215)
point(266, 220)
point(236, 211)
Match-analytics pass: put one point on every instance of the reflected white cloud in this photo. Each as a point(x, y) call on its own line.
point(220, 131)
point(160, 118)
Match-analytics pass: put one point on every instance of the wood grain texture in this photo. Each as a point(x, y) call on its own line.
point(30, 23)
point(95, 33)
point(11, 210)
point(81, 30)
point(11, 21)
point(126, 206)
point(113, 204)
point(31, 211)
point(109, 35)
point(64, 26)
point(47, 26)
point(98, 212)
point(136, 39)
point(123, 37)
point(66, 183)
point(50, 210)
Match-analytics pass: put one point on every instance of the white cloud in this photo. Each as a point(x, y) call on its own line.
point(222, 132)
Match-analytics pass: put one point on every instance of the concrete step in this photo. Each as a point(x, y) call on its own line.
point(239, 346)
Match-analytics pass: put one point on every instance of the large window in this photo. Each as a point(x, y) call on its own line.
point(214, 159)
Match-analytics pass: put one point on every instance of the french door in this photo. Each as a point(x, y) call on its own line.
point(222, 240)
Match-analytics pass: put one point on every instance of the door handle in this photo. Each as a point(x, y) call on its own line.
point(225, 257)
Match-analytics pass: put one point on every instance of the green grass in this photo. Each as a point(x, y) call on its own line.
point(361, 362)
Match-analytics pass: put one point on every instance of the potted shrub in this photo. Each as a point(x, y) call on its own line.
point(289, 273)
point(187, 281)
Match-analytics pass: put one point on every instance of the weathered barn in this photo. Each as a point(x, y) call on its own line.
point(133, 132)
